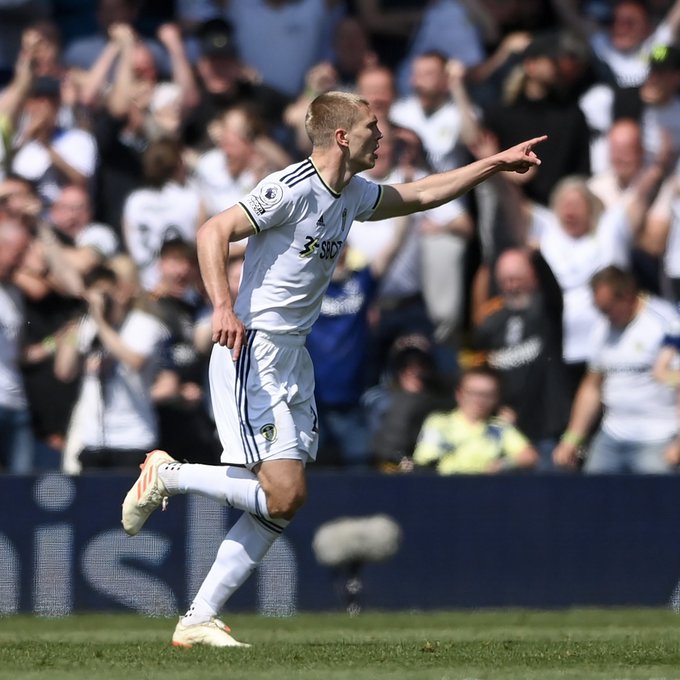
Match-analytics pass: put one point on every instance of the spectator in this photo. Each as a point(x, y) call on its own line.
point(352, 52)
point(167, 207)
point(520, 336)
point(339, 345)
point(16, 436)
point(625, 163)
point(322, 77)
point(630, 172)
point(301, 30)
point(376, 85)
point(38, 56)
point(138, 109)
point(444, 236)
point(47, 155)
point(87, 242)
point(473, 439)
point(533, 102)
point(390, 27)
point(178, 389)
point(85, 51)
point(397, 410)
point(244, 155)
point(584, 239)
point(660, 101)
point(448, 27)
point(624, 47)
point(400, 307)
point(439, 111)
point(116, 422)
point(661, 235)
point(15, 17)
point(223, 82)
point(640, 417)
point(140, 71)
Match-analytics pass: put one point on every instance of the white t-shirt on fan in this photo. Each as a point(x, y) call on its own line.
point(637, 407)
point(117, 408)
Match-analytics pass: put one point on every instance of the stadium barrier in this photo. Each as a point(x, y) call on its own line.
point(520, 541)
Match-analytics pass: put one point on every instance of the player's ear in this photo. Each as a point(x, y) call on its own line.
point(341, 137)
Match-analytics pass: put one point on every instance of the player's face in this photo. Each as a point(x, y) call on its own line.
point(364, 137)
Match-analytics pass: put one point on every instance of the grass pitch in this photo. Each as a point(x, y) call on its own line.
point(573, 644)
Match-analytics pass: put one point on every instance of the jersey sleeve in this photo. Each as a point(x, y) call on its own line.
point(368, 195)
point(270, 204)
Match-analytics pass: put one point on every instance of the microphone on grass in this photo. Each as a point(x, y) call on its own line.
point(346, 544)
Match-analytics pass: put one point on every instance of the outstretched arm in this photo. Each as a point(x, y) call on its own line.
point(434, 190)
point(213, 241)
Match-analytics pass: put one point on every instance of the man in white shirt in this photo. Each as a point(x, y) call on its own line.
point(439, 111)
point(16, 436)
point(119, 348)
point(261, 376)
point(640, 414)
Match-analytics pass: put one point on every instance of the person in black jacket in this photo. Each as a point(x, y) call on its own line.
point(521, 337)
point(534, 101)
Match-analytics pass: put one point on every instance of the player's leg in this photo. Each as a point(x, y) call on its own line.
point(162, 476)
point(241, 551)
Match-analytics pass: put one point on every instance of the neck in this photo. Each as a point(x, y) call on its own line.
point(333, 168)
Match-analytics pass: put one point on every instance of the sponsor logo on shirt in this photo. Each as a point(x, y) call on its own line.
point(328, 250)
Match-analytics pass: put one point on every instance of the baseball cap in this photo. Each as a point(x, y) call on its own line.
point(664, 58)
point(216, 38)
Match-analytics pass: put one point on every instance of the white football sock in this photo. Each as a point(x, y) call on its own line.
point(227, 485)
point(241, 551)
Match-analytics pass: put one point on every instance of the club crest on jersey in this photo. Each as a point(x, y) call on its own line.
point(271, 194)
point(269, 432)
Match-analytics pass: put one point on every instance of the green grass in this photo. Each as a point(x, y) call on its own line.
point(574, 644)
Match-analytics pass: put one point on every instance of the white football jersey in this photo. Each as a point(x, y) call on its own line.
point(300, 226)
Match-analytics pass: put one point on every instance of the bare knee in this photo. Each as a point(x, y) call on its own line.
point(285, 486)
point(283, 503)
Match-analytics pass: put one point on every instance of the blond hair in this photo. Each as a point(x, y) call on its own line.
point(329, 112)
point(580, 185)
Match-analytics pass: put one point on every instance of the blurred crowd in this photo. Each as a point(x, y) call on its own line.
point(531, 325)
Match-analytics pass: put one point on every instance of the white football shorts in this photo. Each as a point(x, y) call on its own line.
point(263, 403)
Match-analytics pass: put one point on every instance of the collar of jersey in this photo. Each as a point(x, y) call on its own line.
point(332, 192)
